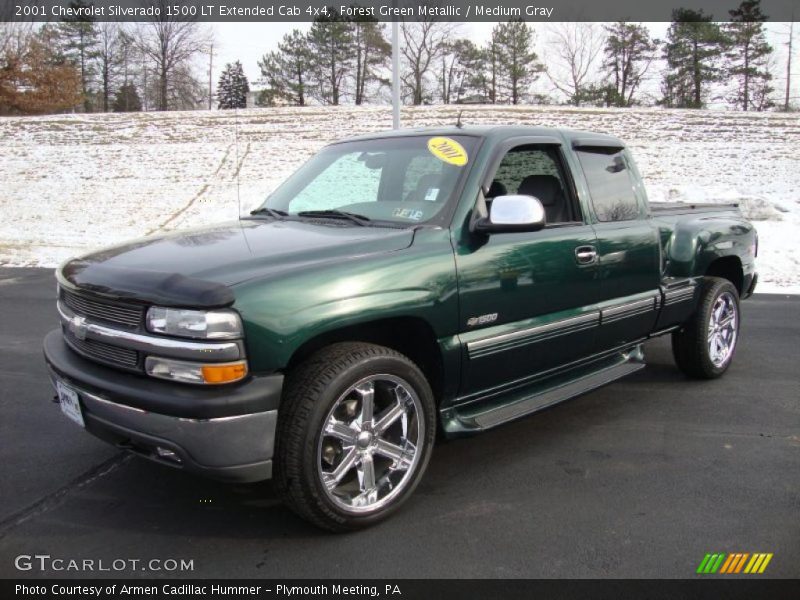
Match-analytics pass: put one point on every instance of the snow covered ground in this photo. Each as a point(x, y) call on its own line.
point(73, 183)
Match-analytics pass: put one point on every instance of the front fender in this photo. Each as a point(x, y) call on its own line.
point(280, 315)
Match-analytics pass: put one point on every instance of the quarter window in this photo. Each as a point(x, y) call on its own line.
point(610, 185)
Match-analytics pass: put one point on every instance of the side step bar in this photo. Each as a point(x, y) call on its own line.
point(538, 401)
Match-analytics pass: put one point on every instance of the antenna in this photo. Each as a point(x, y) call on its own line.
point(459, 124)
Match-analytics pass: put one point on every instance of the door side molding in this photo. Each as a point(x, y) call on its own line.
point(531, 335)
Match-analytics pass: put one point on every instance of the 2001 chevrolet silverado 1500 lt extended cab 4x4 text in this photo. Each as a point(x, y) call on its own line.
point(397, 284)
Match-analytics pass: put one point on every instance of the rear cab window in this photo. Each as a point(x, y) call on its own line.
point(611, 184)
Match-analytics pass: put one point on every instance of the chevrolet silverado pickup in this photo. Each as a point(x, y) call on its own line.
point(397, 285)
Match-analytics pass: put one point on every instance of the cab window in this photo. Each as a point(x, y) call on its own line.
point(610, 184)
point(536, 171)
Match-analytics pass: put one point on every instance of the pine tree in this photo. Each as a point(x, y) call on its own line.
point(692, 50)
point(127, 99)
point(286, 72)
point(518, 64)
point(372, 52)
point(79, 43)
point(331, 49)
point(233, 87)
point(747, 54)
point(629, 52)
point(479, 68)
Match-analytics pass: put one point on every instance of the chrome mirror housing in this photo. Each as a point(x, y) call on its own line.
point(513, 213)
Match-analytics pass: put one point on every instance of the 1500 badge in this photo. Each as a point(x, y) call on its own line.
point(482, 320)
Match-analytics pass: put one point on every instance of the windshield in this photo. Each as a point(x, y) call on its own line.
point(407, 180)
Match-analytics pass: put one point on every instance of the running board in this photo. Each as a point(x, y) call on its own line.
point(538, 401)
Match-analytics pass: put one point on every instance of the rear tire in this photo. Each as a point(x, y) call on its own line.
point(705, 346)
point(356, 428)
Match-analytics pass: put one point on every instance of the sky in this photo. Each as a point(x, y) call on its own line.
point(248, 42)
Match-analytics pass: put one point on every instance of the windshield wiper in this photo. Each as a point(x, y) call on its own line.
point(335, 214)
point(272, 212)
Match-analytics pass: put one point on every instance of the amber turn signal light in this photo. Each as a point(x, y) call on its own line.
point(224, 373)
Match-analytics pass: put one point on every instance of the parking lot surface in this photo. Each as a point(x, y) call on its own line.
point(639, 479)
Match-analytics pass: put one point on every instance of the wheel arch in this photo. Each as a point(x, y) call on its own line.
point(710, 246)
point(411, 336)
point(730, 268)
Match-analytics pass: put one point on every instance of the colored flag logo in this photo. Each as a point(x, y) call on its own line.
point(738, 562)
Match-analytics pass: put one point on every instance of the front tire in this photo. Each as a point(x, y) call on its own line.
point(356, 429)
point(705, 346)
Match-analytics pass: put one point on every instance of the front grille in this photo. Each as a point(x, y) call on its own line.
point(105, 353)
point(116, 313)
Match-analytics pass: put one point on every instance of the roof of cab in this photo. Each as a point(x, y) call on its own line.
point(498, 133)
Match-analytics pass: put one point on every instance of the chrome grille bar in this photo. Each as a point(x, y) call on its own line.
point(201, 351)
point(105, 353)
point(125, 315)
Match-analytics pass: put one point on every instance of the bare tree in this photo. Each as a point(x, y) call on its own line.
point(574, 52)
point(14, 35)
point(171, 46)
point(108, 58)
point(422, 44)
point(459, 60)
point(761, 96)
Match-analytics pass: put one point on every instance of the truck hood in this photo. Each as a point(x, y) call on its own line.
point(197, 267)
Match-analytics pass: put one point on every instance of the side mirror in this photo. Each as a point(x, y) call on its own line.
point(513, 213)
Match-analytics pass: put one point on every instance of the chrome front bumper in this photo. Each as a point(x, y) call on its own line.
point(232, 441)
point(235, 448)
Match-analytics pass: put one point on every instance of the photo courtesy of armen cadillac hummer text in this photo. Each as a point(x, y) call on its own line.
point(397, 286)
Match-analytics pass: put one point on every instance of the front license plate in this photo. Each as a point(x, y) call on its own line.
point(70, 405)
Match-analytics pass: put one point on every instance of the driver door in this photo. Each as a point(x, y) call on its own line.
point(525, 297)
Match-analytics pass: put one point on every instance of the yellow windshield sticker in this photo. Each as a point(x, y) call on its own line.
point(450, 151)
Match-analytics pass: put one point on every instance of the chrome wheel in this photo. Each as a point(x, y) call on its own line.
point(723, 328)
point(368, 448)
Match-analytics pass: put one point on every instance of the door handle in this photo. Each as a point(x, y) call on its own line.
point(585, 255)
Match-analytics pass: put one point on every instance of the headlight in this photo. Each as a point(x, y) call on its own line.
point(191, 372)
point(209, 325)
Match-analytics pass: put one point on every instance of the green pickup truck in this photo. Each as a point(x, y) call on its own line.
point(397, 285)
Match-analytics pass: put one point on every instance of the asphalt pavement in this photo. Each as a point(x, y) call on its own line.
point(639, 479)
